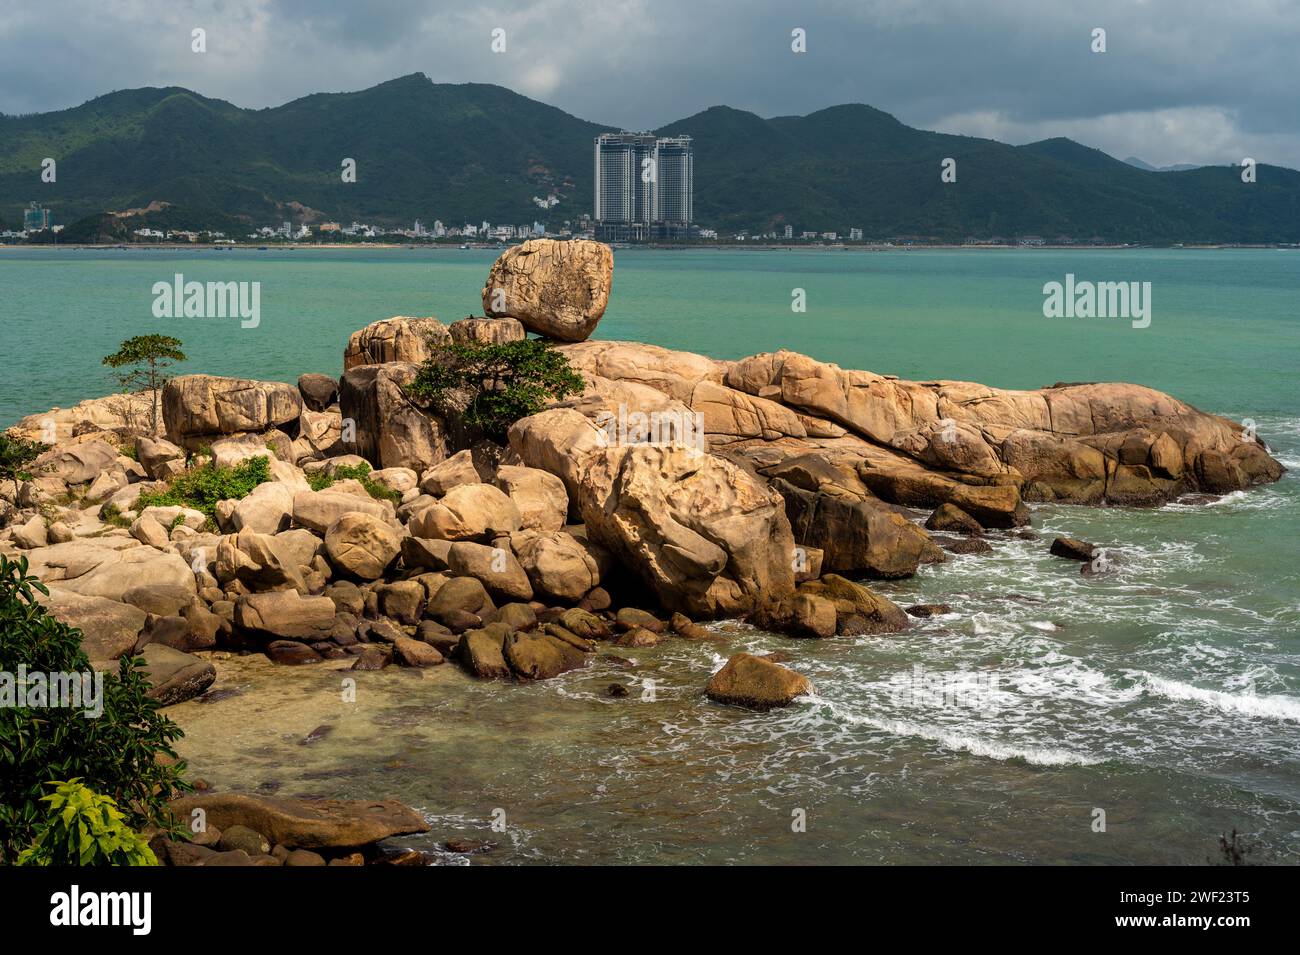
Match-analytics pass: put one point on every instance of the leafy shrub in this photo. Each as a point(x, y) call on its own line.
point(202, 488)
point(491, 386)
point(84, 828)
point(357, 472)
point(115, 753)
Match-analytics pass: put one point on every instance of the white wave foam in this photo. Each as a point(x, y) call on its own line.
point(1246, 704)
point(963, 742)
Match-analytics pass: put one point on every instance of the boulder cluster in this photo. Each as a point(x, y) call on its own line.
point(520, 561)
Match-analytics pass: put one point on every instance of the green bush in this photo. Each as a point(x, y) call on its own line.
point(357, 472)
point(491, 386)
point(115, 753)
point(84, 828)
point(15, 455)
point(202, 488)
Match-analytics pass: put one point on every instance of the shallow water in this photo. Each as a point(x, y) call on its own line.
point(1166, 693)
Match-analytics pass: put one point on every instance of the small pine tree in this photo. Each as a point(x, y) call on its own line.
point(15, 455)
point(145, 359)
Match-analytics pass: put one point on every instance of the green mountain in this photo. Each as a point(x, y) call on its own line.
point(468, 152)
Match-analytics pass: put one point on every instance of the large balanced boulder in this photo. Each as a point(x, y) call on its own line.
point(556, 289)
point(756, 683)
point(362, 545)
point(304, 823)
point(384, 424)
point(400, 338)
point(198, 409)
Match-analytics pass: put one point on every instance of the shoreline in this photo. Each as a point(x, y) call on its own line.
point(730, 247)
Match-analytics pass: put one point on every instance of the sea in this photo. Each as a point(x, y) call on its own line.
point(1148, 715)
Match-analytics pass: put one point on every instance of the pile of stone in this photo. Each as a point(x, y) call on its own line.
point(780, 482)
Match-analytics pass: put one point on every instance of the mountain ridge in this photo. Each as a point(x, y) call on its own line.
point(471, 151)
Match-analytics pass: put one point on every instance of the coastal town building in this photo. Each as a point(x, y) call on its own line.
point(644, 186)
point(36, 218)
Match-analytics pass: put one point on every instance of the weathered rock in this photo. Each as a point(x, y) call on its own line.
point(361, 545)
point(420, 552)
point(318, 391)
point(540, 496)
point(557, 289)
point(175, 676)
point(402, 600)
point(813, 616)
point(629, 618)
point(147, 530)
point(241, 837)
point(583, 624)
point(391, 429)
point(481, 654)
point(540, 656)
point(318, 511)
point(460, 594)
point(160, 459)
point(1072, 549)
point(285, 615)
point(305, 823)
point(267, 509)
point(108, 567)
point(859, 610)
point(468, 512)
point(495, 567)
point(950, 517)
point(415, 653)
point(108, 628)
point(78, 463)
point(198, 409)
point(637, 637)
point(398, 339)
point(558, 565)
point(489, 331)
point(705, 535)
point(756, 683)
point(453, 472)
point(928, 610)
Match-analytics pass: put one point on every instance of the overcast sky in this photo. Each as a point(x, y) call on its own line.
point(1181, 80)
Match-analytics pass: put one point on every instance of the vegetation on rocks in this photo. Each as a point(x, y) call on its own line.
point(116, 753)
point(491, 386)
point(146, 358)
point(357, 472)
point(204, 487)
point(16, 455)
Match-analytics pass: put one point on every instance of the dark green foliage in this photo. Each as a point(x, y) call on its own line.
point(846, 166)
point(16, 454)
point(84, 828)
point(114, 753)
point(145, 359)
point(491, 386)
point(202, 488)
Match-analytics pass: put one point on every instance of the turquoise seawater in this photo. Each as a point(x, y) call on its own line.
point(1165, 696)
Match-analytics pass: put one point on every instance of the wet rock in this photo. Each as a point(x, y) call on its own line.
point(753, 682)
point(859, 610)
point(637, 637)
point(175, 676)
point(291, 653)
point(585, 625)
point(540, 656)
point(241, 837)
point(630, 617)
point(415, 653)
point(928, 610)
point(305, 823)
point(480, 652)
point(617, 690)
point(684, 627)
point(950, 517)
point(1072, 549)
point(970, 545)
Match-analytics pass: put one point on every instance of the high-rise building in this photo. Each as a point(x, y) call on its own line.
point(674, 187)
point(36, 218)
point(644, 187)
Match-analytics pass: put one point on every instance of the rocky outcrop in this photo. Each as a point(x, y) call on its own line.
point(706, 536)
point(397, 339)
point(391, 430)
point(199, 409)
point(556, 289)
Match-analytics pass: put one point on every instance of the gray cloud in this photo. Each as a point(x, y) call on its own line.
point(1181, 81)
